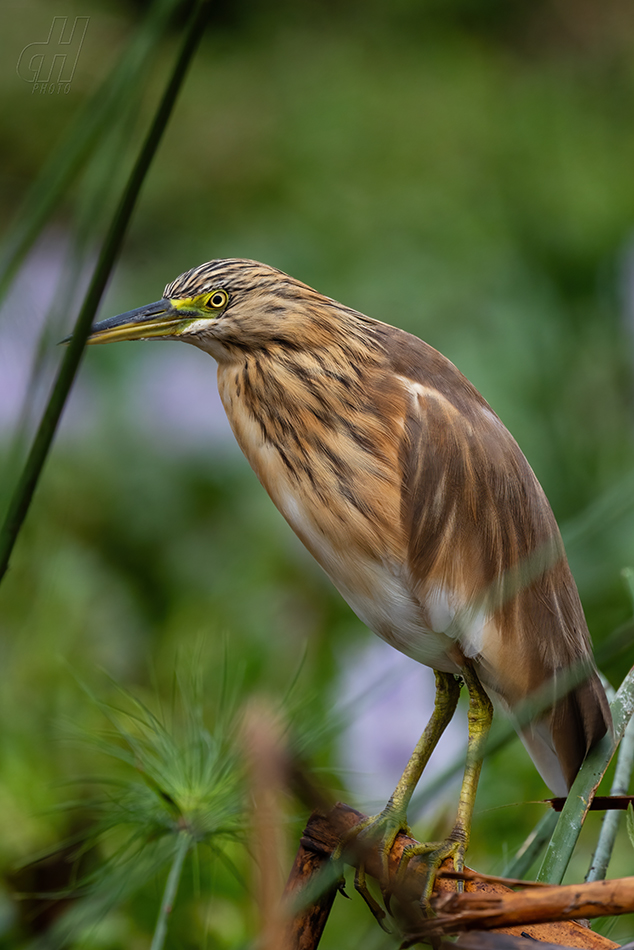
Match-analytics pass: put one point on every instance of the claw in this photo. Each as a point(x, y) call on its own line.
point(383, 828)
point(377, 911)
point(341, 889)
point(386, 894)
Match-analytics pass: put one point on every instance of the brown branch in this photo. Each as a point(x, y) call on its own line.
point(312, 880)
point(468, 874)
point(598, 803)
point(486, 940)
point(487, 911)
point(308, 875)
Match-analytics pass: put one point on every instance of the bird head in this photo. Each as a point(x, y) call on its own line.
point(225, 306)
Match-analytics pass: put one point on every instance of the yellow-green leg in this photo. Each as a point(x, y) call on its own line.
point(447, 694)
point(479, 719)
point(393, 818)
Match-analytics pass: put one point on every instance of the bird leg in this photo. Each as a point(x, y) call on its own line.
point(479, 719)
point(385, 827)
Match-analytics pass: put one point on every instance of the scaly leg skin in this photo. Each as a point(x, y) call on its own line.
point(393, 819)
point(479, 718)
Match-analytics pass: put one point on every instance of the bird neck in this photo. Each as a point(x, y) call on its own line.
point(317, 440)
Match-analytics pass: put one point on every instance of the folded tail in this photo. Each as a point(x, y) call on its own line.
point(559, 740)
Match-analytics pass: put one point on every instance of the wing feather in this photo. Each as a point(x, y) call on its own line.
point(480, 527)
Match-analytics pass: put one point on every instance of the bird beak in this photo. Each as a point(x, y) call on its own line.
point(159, 319)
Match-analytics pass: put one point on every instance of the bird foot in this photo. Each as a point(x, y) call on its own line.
point(380, 832)
point(376, 836)
point(433, 855)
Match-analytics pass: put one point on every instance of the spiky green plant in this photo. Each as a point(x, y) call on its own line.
point(172, 786)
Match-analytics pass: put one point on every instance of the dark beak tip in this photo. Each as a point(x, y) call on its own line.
point(139, 316)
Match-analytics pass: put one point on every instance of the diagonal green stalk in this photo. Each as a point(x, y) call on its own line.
point(573, 814)
point(169, 894)
point(97, 194)
point(612, 819)
point(537, 840)
point(22, 497)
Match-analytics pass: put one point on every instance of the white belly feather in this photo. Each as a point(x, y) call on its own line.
point(382, 599)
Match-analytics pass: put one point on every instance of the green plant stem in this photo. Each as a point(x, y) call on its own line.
point(611, 819)
point(169, 894)
point(573, 814)
point(27, 483)
point(521, 863)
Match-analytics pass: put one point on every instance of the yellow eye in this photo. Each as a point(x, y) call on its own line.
point(218, 300)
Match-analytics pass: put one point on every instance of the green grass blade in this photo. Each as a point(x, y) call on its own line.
point(521, 863)
point(21, 500)
point(612, 819)
point(571, 819)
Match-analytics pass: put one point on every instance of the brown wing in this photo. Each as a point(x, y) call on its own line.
point(480, 526)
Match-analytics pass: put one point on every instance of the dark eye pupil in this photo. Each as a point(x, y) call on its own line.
point(218, 300)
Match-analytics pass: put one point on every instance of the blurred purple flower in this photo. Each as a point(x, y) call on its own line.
point(391, 697)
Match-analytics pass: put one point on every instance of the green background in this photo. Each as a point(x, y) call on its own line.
point(460, 169)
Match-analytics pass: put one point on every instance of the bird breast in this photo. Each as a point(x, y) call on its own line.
point(333, 467)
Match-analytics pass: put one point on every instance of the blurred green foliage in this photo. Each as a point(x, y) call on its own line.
point(461, 169)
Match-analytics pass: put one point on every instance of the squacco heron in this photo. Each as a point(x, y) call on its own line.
point(414, 498)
